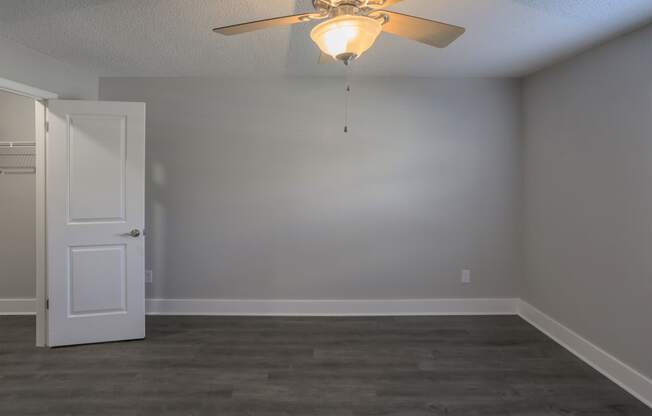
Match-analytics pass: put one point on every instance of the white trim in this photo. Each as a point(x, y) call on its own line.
point(41, 261)
point(395, 307)
point(17, 306)
point(620, 373)
point(26, 90)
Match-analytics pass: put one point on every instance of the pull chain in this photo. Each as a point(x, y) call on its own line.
point(347, 93)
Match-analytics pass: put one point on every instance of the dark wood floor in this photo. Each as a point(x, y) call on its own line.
point(408, 366)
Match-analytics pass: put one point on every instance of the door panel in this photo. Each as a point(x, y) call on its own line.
point(97, 168)
point(98, 278)
point(95, 197)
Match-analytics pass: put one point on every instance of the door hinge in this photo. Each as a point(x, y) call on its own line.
point(47, 304)
point(47, 126)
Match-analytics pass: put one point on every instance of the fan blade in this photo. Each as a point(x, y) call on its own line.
point(264, 24)
point(426, 31)
point(326, 59)
point(381, 4)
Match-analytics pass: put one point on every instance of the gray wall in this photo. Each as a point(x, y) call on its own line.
point(17, 205)
point(588, 196)
point(27, 66)
point(255, 192)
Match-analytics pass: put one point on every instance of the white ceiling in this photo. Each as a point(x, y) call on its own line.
point(173, 37)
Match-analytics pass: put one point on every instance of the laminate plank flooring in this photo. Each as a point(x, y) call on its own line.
point(263, 366)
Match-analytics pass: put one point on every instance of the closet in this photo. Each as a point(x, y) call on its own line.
point(17, 197)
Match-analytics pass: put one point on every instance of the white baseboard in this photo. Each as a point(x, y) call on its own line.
point(394, 307)
point(17, 307)
point(620, 373)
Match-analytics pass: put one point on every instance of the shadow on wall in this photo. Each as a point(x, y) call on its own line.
point(156, 226)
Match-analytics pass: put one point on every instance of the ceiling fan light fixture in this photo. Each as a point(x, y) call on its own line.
point(346, 37)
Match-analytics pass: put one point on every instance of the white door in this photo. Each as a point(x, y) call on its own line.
point(95, 217)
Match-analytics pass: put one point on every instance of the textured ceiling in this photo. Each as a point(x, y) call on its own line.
point(173, 37)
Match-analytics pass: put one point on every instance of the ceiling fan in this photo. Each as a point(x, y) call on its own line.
point(351, 27)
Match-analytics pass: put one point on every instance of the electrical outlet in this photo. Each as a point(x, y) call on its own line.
point(149, 276)
point(466, 276)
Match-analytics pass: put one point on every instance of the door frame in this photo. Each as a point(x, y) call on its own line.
point(40, 107)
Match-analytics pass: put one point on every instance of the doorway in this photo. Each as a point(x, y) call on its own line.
point(23, 94)
point(19, 203)
point(85, 258)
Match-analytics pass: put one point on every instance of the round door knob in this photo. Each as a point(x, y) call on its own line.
point(135, 232)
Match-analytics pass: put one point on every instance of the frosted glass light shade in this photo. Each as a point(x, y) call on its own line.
point(346, 36)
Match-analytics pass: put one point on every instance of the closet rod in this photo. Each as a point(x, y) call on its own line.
point(17, 171)
point(17, 143)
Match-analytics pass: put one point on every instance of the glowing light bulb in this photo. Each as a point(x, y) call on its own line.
point(346, 37)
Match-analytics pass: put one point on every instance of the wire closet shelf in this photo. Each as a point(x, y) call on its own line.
point(17, 157)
